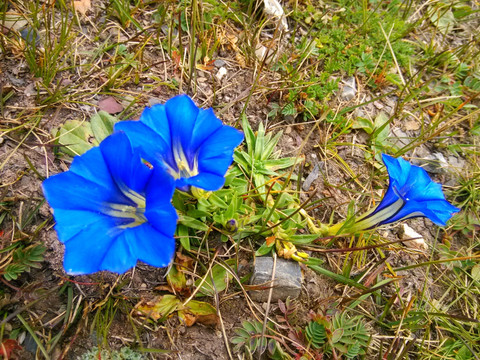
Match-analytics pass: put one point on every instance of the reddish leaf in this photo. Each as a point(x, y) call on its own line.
point(198, 311)
point(177, 280)
point(270, 240)
point(110, 105)
point(160, 308)
point(184, 261)
point(7, 346)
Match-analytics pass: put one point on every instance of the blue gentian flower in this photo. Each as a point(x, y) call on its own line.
point(111, 210)
point(411, 193)
point(192, 144)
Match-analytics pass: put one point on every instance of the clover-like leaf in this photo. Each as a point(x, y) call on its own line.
point(77, 137)
point(102, 125)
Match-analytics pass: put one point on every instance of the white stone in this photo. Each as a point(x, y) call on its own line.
point(221, 73)
point(260, 51)
point(408, 233)
point(349, 89)
point(274, 9)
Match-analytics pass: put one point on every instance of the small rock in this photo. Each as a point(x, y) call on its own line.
point(434, 163)
point(311, 178)
point(399, 138)
point(274, 9)
point(412, 125)
point(221, 73)
point(30, 344)
point(349, 89)
point(15, 80)
point(408, 233)
point(260, 51)
point(456, 163)
point(219, 63)
point(288, 279)
point(30, 36)
point(153, 101)
point(30, 90)
point(289, 118)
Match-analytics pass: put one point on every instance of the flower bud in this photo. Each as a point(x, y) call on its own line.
point(231, 226)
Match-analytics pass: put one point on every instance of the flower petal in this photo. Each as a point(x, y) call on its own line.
point(438, 211)
point(125, 165)
point(216, 153)
point(148, 141)
point(71, 191)
point(421, 187)
point(397, 168)
point(160, 189)
point(71, 222)
point(121, 256)
point(160, 211)
point(204, 180)
point(205, 125)
point(155, 118)
point(181, 114)
point(151, 246)
point(91, 166)
point(85, 251)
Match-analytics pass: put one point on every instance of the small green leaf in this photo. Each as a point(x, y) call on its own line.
point(337, 335)
point(12, 271)
point(476, 272)
point(183, 235)
point(259, 142)
point(365, 124)
point(303, 239)
point(270, 145)
point(289, 109)
point(443, 19)
point(221, 278)
point(192, 223)
point(249, 326)
point(249, 135)
point(242, 159)
point(382, 127)
point(176, 279)
point(264, 249)
point(77, 137)
point(277, 164)
point(200, 308)
point(215, 200)
point(102, 125)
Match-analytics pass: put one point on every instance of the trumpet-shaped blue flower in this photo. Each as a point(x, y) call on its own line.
point(192, 144)
point(411, 193)
point(111, 210)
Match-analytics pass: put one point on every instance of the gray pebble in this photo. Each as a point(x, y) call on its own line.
point(288, 279)
point(219, 63)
